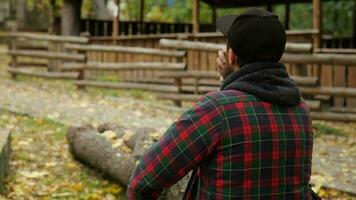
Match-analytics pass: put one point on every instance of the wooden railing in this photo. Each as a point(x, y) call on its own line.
point(326, 77)
point(33, 50)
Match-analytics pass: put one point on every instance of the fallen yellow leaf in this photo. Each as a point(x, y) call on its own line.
point(78, 187)
point(109, 134)
point(34, 174)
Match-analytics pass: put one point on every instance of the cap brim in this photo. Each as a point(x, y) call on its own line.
point(224, 23)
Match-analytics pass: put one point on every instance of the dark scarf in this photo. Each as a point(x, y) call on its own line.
point(266, 80)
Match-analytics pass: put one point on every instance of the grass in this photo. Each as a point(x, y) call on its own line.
point(323, 128)
point(42, 166)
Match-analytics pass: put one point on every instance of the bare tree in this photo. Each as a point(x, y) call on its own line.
point(101, 11)
point(71, 13)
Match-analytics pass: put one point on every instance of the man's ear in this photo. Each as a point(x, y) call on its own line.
point(232, 58)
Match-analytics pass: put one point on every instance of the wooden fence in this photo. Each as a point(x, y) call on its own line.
point(326, 76)
point(30, 50)
point(100, 28)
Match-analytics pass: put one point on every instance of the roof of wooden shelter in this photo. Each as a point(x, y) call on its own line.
point(246, 3)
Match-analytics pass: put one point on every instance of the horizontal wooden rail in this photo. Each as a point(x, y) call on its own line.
point(298, 48)
point(201, 89)
point(313, 104)
point(307, 81)
point(311, 81)
point(178, 97)
point(207, 46)
point(48, 55)
point(135, 66)
point(190, 45)
point(50, 75)
point(343, 109)
point(190, 74)
point(319, 58)
point(46, 37)
point(31, 64)
point(22, 45)
point(330, 116)
point(72, 66)
point(138, 86)
point(125, 49)
point(123, 66)
point(337, 51)
point(333, 91)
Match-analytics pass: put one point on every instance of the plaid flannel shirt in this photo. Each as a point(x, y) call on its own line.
point(242, 146)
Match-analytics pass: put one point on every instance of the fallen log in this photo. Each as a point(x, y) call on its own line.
point(88, 146)
point(98, 149)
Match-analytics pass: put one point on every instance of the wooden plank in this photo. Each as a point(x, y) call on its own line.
point(333, 91)
point(351, 102)
point(191, 45)
point(313, 104)
point(328, 59)
point(190, 60)
point(204, 60)
point(55, 38)
point(330, 116)
point(310, 81)
point(139, 86)
point(343, 109)
point(134, 66)
point(72, 66)
point(200, 89)
point(179, 97)
point(208, 35)
point(337, 51)
point(326, 76)
point(307, 81)
point(212, 61)
point(206, 46)
point(47, 55)
point(126, 49)
point(339, 78)
point(31, 64)
point(189, 74)
point(50, 75)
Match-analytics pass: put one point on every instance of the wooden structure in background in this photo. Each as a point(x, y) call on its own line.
point(148, 63)
point(42, 51)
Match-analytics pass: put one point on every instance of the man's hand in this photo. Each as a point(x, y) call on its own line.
point(222, 64)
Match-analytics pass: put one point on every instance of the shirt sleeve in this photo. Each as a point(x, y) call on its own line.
point(184, 145)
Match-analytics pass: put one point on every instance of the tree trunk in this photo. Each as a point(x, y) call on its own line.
point(101, 11)
point(91, 147)
point(20, 13)
point(71, 13)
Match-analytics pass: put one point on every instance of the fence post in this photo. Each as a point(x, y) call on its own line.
point(81, 71)
point(178, 82)
point(13, 46)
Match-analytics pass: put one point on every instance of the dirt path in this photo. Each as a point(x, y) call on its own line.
point(75, 108)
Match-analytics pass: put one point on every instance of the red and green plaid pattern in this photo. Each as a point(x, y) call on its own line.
point(243, 148)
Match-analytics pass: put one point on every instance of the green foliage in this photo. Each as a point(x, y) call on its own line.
point(338, 18)
point(41, 5)
point(322, 128)
point(337, 15)
point(88, 9)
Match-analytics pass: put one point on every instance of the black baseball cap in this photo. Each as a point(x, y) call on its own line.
point(255, 35)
